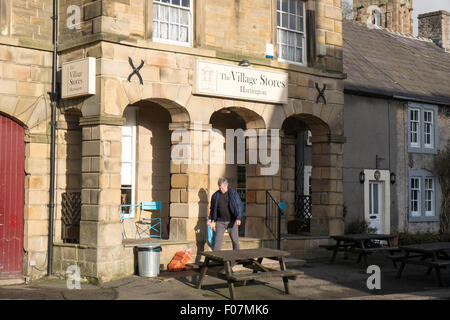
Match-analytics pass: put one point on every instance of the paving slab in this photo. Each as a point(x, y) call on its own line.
point(320, 281)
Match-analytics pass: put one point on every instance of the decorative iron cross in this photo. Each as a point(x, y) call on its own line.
point(136, 70)
point(321, 92)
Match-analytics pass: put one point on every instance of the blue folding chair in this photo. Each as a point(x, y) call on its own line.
point(126, 216)
point(150, 226)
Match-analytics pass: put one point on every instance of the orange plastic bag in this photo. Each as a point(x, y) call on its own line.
point(179, 261)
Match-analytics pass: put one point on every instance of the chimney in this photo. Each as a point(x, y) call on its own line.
point(436, 26)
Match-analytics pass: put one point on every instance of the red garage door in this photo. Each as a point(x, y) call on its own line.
point(12, 175)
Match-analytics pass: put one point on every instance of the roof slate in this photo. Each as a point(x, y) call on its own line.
point(380, 62)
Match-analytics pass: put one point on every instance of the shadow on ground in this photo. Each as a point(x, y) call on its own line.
point(345, 279)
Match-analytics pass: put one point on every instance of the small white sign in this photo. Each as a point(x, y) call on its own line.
point(78, 78)
point(269, 50)
point(216, 79)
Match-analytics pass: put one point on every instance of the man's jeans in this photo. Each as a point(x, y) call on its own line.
point(233, 231)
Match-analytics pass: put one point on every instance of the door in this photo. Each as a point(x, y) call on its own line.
point(375, 206)
point(12, 175)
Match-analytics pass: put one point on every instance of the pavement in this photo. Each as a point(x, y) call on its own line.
point(343, 280)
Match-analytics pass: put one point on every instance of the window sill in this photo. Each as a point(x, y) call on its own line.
point(422, 150)
point(422, 219)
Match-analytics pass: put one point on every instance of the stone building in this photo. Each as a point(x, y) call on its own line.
point(397, 117)
point(395, 15)
point(155, 62)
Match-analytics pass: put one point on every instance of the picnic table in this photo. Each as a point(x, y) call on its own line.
point(219, 264)
point(363, 244)
point(432, 255)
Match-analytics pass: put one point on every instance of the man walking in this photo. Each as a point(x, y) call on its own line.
point(226, 211)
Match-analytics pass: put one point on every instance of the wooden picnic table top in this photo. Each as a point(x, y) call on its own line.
point(225, 258)
point(426, 247)
point(363, 236)
point(244, 254)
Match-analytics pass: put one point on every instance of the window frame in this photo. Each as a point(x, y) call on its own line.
point(425, 145)
point(132, 123)
point(415, 144)
point(424, 216)
point(420, 146)
point(304, 33)
point(5, 18)
point(190, 27)
point(433, 191)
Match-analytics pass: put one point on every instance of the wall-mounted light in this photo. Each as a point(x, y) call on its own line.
point(362, 177)
point(393, 177)
point(245, 63)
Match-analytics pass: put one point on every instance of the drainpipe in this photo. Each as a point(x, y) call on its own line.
point(53, 99)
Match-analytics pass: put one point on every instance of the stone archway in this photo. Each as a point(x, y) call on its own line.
point(235, 166)
point(325, 156)
point(100, 226)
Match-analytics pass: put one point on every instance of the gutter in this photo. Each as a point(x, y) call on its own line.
point(392, 95)
point(53, 99)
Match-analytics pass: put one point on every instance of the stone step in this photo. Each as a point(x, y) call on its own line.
point(9, 282)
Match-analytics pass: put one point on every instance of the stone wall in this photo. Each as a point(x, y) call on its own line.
point(245, 28)
point(436, 26)
point(123, 19)
point(26, 22)
point(415, 161)
point(25, 77)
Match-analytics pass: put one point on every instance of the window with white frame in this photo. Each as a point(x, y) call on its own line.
point(128, 171)
point(422, 196)
point(429, 196)
point(172, 21)
point(428, 128)
point(291, 31)
point(422, 128)
point(414, 123)
point(415, 196)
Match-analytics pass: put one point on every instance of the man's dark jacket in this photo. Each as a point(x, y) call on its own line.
point(234, 205)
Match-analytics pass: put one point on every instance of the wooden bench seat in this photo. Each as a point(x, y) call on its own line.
point(436, 265)
point(401, 256)
point(376, 249)
point(290, 274)
point(332, 247)
point(428, 263)
point(198, 265)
